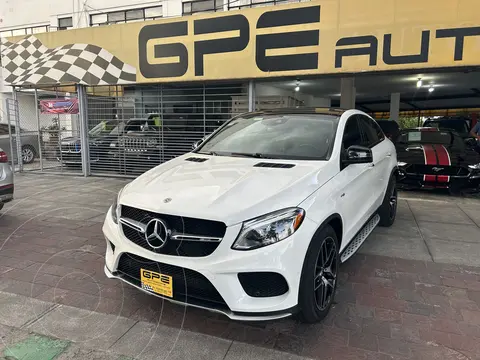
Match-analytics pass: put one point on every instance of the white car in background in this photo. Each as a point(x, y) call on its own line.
point(255, 221)
point(6, 179)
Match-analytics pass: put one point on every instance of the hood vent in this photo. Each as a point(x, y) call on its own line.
point(196, 159)
point(274, 165)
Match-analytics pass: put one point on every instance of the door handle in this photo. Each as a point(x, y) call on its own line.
point(389, 154)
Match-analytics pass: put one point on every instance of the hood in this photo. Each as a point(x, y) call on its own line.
point(228, 189)
point(434, 154)
point(70, 140)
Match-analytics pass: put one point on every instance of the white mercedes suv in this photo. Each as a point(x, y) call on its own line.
point(256, 220)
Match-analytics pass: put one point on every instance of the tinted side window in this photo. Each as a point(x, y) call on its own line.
point(372, 130)
point(378, 129)
point(4, 129)
point(354, 134)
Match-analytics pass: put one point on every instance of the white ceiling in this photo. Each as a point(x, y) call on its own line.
point(452, 89)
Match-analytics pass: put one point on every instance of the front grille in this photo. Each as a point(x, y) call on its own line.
point(177, 224)
point(136, 144)
point(70, 148)
point(188, 286)
point(445, 170)
point(263, 284)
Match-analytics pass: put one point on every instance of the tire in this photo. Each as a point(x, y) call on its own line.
point(28, 154)
point(388, 209)
point(314, 275)
point(1, 206)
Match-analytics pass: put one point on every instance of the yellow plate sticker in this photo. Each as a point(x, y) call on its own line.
point(155, 282)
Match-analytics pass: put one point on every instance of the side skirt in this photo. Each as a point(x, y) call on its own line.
point(360, 238)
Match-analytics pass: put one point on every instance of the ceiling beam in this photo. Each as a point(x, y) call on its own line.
point(409, 103)
point(415, 99)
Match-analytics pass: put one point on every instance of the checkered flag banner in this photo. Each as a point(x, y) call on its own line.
point(29, 62)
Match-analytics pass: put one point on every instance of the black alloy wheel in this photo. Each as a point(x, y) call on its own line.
point(326, 270)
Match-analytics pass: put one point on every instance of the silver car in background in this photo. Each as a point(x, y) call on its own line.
point(29, 143)
point(6, 179)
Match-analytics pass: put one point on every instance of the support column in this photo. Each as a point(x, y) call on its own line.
point(83, 122)
point(39, 129)
point(251, 95)
point(394, 106)
point(347, 93)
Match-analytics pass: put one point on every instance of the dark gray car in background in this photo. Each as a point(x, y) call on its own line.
point(29, 141)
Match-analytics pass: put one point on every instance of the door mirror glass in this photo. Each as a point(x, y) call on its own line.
point(358, 155)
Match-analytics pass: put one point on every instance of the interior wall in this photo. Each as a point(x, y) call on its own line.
point(309, 100)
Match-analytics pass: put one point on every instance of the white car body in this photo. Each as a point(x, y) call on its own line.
point(231, 190)
point(6, 179)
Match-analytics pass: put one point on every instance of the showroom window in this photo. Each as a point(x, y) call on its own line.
point(198, 6)
point(65, 23)
point(126, 16)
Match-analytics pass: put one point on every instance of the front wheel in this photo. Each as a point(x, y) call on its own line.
point(388, 209)
point(318, 282)
point(28, 154)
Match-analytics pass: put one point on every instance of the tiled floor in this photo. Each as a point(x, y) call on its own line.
point(413, 291)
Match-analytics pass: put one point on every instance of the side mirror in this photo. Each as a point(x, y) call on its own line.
point(470, 142)
point(196, 144)
point(358, 155)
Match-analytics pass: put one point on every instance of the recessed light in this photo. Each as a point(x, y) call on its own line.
point(297, 88)
point(419, 82)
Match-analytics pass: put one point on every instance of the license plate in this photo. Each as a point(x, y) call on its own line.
point(155, 282)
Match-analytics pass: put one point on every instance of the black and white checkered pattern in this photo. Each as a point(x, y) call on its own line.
point(29, 62)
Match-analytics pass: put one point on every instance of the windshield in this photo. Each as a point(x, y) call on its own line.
point(292, 136)
point(104, 127)
point(459, 126)
point(428, 137)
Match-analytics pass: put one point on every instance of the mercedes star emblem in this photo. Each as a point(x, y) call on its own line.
point(156, 233)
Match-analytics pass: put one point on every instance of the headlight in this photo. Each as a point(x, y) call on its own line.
point(115, 208)
point(401, 163)
point(269, 229)
point(474, 167)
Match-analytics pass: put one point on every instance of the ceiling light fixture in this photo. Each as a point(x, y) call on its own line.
point(297, 88)
point(419, 82)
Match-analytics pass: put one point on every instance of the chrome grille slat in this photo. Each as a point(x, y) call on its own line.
point(141, 227)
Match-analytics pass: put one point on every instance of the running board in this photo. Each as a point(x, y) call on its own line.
point(359, 239)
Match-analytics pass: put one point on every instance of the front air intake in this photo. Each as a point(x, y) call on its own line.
point(196, 159)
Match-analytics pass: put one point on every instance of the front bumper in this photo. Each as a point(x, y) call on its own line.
point(418, 181)
point(221, 269)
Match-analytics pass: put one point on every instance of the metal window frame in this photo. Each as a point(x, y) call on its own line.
point(251, 4)
point(144, 18)
point(60, 27)
point(27, 30)
point(216, 7)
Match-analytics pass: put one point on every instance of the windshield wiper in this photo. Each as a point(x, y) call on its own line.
point(212, 153)
point(253, 155)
